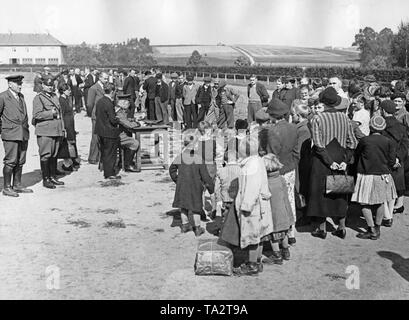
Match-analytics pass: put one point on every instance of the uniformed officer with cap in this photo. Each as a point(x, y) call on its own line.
point(15, 134)
point(49, 128)
point(127, 142)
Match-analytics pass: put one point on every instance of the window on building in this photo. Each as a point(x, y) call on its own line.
point(27, 61)
point(52, 60)
point(14, 61)
point(40, 60)
point(13, 49)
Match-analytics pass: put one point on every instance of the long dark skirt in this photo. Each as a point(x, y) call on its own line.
point(231, 228)
point(399, 178)
point(406, 175)
point(320, 204)
point(67, 150)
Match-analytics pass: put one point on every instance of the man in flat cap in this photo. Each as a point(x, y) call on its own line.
point(126, 125)
point(204, 98)
point(15, 134)
point(49, 128)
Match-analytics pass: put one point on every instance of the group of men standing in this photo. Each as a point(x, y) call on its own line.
point(14, 126)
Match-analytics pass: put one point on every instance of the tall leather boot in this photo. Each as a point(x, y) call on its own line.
point(7, 175)
point(129, 156)
point(46, 175)
point(17, 186)
point(52, 164)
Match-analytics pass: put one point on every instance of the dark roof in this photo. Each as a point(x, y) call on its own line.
point(28, 39)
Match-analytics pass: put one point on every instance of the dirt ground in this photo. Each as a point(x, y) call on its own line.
point(123, 242)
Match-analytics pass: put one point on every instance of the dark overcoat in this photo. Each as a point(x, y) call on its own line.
point(68, 117)
point(13, 117)
point(191, 177)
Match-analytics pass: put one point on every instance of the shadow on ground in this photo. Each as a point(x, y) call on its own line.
point(399, 263)
point(29, 179)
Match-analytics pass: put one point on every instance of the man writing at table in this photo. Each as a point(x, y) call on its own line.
point(127, 142)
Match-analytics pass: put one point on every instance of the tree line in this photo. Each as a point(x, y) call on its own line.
point(384, 49)
point(131, 52)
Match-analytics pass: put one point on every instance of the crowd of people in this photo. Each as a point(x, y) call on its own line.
point(302, 154)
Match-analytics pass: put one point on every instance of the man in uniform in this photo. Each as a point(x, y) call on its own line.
point(49, 128)
point(15, 134)
point(127, 142)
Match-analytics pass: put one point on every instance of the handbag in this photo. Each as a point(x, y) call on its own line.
point(340, 184)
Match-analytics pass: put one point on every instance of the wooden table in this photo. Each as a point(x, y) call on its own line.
point(157, 130)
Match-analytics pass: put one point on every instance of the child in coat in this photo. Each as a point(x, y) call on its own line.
point(252, 206)
point(281, 212)
point(191, 177)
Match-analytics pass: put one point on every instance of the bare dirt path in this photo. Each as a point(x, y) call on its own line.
point(118, 242)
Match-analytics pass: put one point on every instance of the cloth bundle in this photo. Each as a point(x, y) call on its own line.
point(213, 259)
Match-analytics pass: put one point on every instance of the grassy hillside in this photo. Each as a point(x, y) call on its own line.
point(179, 54)
point(263, 54)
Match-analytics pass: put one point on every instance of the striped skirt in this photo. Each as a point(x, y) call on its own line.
point(374, 189)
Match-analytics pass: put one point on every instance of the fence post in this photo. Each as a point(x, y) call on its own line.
point(234, 77)
point(268, 80)
point(217, 76)
point(225, 76)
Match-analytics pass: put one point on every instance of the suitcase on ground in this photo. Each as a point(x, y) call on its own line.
point(213, 259)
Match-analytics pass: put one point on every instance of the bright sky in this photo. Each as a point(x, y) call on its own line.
point(310, 23)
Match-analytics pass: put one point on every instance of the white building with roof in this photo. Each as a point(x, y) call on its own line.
point(31, 48)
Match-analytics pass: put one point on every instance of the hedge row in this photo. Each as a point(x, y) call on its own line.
point(311, 72)
point(272, 73)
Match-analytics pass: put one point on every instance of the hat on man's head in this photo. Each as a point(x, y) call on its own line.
point(262, 116)
point(222, 83)
point(174, 75)
point(48, 81)
point(189, 77)
point(158, 76)
point(398, 94)
point(124, 96)
point(47, 68)
point(377, 123)
point(277, 108)
point(330, 97)
point(207, 79)
point(389, 106)
point(370, 78)
point(65, 71)
point(369, 91)
point(15, 78)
